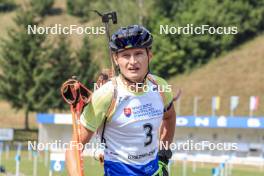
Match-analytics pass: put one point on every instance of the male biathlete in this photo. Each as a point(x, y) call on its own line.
point(141, 117)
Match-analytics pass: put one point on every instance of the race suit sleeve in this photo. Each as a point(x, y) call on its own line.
point(166, 88)
point(94, 112)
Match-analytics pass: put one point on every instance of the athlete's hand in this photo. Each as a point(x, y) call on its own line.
point(164, 156)
point(163, 169)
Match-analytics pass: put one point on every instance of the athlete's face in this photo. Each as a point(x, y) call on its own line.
point(133, 63)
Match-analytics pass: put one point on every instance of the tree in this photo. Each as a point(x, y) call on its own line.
point(7, 5)
point(80, 8)
point(167, 59)
point(41, 7)
point(86, 68)
point(32, 70)
point(61, 66)
point(22, 63)
point(198, 49)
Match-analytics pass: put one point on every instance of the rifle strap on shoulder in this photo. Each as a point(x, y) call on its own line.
point(153, 81)
point(110, 108)
point(113, 100)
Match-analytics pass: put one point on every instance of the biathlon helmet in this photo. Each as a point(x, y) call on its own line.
point(134, 36)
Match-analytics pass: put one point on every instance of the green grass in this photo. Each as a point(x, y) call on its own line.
point(93, 168)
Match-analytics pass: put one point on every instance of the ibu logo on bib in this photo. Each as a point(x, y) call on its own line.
point(127, 112)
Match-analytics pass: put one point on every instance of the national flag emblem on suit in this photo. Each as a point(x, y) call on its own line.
point(127, 112)
point(216, 103)
point(253, 103)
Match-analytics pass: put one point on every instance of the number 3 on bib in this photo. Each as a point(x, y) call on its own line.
point(148, 130)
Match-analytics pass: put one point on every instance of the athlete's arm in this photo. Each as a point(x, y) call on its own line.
point(86, 135)
point(92, 117)
point(168, 126)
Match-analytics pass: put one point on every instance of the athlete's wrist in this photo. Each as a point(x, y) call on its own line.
point(165, 155)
